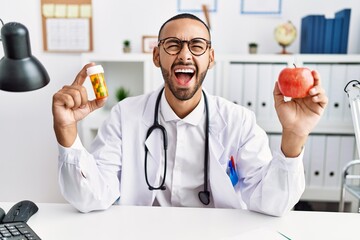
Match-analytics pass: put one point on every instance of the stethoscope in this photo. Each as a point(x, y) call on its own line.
point(204, 196)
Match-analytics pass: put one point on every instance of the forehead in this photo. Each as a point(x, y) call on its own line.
point(184, 29)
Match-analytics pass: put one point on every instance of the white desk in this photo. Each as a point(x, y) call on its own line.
point(62, 221)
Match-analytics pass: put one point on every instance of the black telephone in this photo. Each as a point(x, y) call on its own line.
point(13, 224)
point(2, 214)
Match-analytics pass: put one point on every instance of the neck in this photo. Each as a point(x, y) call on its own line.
point(180, 107)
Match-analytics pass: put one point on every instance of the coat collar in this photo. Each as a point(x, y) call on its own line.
point(148, 115)
point(217, 123)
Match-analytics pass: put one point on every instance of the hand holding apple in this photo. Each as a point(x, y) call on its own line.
point(295, 82)
point(299, 116)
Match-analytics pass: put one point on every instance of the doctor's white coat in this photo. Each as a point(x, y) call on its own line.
point(113, 170)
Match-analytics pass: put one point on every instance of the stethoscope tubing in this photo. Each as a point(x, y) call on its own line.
point(155, 126)
point(204, 196)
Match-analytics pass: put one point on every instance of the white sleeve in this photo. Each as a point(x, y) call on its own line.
point(89, 181)
point(282, 184)
point(270, 183)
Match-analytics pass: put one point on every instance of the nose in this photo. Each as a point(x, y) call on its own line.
point(185, 53)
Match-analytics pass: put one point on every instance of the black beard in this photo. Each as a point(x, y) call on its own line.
point(183, 94)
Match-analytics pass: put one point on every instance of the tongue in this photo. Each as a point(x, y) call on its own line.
point(183, 78)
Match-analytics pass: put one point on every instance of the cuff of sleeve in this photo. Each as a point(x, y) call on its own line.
point(71, 154)
point(289, 163)
point(76, 145)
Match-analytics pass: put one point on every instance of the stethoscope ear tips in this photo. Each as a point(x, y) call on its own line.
point(204, 197)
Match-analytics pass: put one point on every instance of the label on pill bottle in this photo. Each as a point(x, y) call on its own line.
point(96, 74)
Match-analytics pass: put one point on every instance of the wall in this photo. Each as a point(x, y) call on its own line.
point(231, 31)
point(28, 160)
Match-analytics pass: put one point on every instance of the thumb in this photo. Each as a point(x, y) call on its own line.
point(278, 97)
point(96, 104)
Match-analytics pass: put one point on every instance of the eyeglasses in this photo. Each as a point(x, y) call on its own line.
point(173, 45)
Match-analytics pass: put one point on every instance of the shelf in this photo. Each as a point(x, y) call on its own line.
point(128, 57)
point(274, 127)
point(290, 58)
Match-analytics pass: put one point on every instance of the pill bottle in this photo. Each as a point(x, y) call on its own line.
point(96, 74)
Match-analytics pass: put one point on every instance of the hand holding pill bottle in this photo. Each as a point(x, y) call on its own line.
point(96, 74)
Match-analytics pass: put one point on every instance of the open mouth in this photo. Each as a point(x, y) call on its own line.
point(184, 75)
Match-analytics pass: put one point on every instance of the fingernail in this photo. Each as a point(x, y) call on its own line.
point(312, 91)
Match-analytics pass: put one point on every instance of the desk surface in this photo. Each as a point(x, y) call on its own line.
point(62, 221)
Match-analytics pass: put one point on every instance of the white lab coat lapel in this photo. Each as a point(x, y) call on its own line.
point(155, 155)
point(221, 188)
point(154, 144)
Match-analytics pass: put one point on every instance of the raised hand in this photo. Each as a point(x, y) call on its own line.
point(70, 105)
point(299, 116)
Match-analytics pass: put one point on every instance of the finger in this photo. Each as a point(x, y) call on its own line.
point(321, 99)
point(81, 76)
point(278, 96)
point(74, 96)
point(316, 89)
point(318, 95)
point(62, 99)
point(316, 76)
point(79, 94)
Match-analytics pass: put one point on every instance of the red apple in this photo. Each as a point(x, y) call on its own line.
point(295, 82)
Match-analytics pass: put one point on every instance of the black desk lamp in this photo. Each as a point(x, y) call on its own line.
point(20, 71)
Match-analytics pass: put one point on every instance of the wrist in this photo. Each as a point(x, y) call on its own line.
point(65, 136)
point(292, 144)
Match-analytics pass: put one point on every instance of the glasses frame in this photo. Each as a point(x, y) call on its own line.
point(208, 45)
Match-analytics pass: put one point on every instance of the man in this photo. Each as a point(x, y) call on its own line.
point(217, 155)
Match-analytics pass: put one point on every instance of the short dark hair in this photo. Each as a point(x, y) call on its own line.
point(181, 16)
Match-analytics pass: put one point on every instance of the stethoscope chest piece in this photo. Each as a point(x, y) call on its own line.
point(204, 197)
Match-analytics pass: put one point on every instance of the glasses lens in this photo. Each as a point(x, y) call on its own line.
point(172, 46)
point(197, 46)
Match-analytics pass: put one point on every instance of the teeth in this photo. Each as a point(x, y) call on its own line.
point(184, 71)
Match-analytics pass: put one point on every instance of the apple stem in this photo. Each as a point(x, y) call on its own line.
point(294, 65)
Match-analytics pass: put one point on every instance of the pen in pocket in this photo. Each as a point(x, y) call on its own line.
point(231, 171)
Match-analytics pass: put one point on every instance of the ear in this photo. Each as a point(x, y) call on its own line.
point(212, 58)
point(156, 56)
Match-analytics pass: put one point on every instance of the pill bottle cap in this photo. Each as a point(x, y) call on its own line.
point(94, 70)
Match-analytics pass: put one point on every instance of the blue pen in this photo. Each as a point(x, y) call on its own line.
point(232, 172)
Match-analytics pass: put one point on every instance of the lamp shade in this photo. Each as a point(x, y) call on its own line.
point(20, 71)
